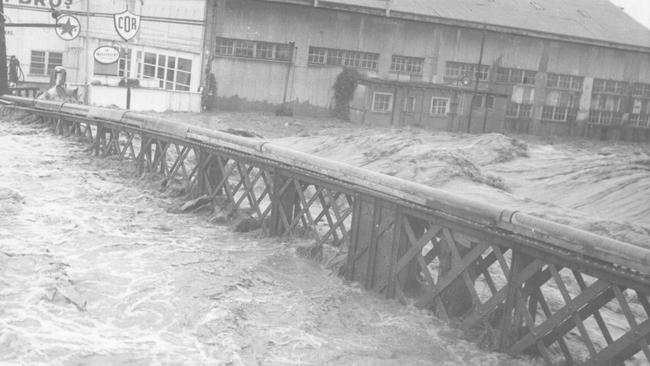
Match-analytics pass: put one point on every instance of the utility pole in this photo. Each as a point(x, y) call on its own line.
point(4, 84)
point(476, 83)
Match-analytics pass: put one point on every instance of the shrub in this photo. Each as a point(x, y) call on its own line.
point(344, 87)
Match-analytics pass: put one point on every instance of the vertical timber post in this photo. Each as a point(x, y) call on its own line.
point(143, 153)
point(214, 174)
point(200, 188)
point(456, 297)
point(510, 323)
point(408, 278)
point(4, 83)
point(283, 206)
point(354, 238)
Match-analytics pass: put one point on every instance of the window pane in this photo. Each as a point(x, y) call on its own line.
point(503, 75)
point(37, 65)
point(264, 51)
point(244, 48)
point(316, 55)
point(183, 78)
point(516, 76)
point(529, 77)
point(411, 65)
point(184, 64)
point(224, 47)
point(489, 101)
point(55, 59)
point(149, 71)
point(283, 52)
point(149, 58)
point(382, 102)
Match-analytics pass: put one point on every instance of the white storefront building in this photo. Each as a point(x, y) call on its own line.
point(165, 55)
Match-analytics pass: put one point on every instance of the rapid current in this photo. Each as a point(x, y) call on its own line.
point(94, 270)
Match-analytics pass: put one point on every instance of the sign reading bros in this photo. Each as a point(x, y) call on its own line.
point(127, 24)
point(45, 3)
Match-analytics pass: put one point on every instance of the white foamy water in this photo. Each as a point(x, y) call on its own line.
point(95, 271)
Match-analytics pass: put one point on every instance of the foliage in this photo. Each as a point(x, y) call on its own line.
point(344, 87)
point(284, 110)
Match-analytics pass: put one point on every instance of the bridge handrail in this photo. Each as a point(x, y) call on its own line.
point(583, 243)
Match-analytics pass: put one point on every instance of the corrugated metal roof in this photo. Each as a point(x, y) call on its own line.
point(597, 20)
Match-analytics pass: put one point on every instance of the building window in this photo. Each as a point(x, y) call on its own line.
point(172, 73)
point(640, 116)
point(439, 106)
point(244, 48)
point(335, 57)
point(560, 81)
point(407, 65)
point(264, 50)
point(609, 86)
point(516, 76)
point(604, 102)
point(489, 101)
point(124, 63)
point(457, 70)
point(641, 90)
point(230, 47)
point(605, 117)
point(559, 114)
point(409, 104)
point(43, 62)
point(518, 110)
point(317, 55)
point(382, 102)
point(608, 101)
point(638, 120)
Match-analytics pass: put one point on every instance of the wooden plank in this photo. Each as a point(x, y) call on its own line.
point(354, 235)
point(559, 317)
point(625, 346)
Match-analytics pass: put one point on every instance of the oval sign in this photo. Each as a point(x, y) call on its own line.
point(106, 55)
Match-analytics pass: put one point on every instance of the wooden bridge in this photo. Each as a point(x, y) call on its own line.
point(515, 283)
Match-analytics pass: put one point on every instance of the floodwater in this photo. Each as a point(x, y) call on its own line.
point(94, 270)
point(601, 187)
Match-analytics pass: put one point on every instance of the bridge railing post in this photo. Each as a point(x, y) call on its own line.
point(283, 203)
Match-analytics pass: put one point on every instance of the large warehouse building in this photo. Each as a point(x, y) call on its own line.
point(579, 67)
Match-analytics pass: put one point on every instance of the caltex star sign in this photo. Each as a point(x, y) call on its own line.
point(68, 27)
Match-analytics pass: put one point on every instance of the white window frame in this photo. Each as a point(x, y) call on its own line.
point(431, 111)
point(46, 64)
point(409, 103)
point(320, 56)
point(407, 64)
point(167, 74)
point(390, 102)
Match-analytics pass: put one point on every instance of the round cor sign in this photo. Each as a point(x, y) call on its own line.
point(106, 55)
